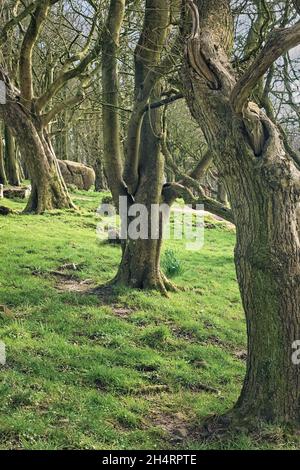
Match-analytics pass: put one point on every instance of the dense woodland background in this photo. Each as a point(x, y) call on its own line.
point(76, 133)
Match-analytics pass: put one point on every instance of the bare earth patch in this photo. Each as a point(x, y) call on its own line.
point(122, 312)
point(174, 425)
point(74, 285)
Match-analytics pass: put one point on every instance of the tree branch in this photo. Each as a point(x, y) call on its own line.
point(25, 63)
point(67, 75)
point(280, 42)
point(20, 17)
point(71, 101)
point(174, 190)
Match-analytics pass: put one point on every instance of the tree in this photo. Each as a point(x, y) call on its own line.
point(262, 180)
point(139, 176)
point(31, 106)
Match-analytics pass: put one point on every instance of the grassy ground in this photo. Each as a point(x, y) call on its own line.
point(128, 370)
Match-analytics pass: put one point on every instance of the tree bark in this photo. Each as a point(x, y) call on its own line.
point(48, 188)
point(263, 186)
point(101, 181)
point(141, 181)
point(140, 265)
point(3, 179)
point(11, 162)
point(222, 195)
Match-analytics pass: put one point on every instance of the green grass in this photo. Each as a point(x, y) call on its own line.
point(131, 370)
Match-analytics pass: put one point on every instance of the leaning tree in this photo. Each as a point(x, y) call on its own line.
point(39, 28)
point(262, 179)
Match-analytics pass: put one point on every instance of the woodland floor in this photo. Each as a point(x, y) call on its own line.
point(122, 369)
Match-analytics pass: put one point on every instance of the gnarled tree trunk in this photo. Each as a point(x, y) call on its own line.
point(48, 188)
point(140, 265)
point(3, 179)
point(141, 181)
point(263, 185)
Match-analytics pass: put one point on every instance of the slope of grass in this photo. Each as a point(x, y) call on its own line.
point(118, 370)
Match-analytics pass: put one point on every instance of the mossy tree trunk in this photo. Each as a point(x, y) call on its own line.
point(263, 185)
point(48, 187)
point(140, 180)
point(140, 265)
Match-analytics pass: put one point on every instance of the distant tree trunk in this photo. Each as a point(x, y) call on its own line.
point(263, 185)
point(3, 179)
point(101, 181)
point(11, 163)
point(64, 144)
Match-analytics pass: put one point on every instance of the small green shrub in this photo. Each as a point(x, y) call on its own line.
point(170, 264)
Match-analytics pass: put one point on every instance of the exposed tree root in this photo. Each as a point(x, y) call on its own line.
point(235, 423)
point(159, 283)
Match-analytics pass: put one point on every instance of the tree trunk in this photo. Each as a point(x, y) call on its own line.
point(48, 187)
point(265, 204)
point(262, 183)
point(49, 190)
point(141, 181)
point(140, 265)
point(101, 181)
point(11, 163)
point(267, 258)
point(3, 179)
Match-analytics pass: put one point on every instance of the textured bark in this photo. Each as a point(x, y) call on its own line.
point(140, 265)
point(142, 179)
point(263, 186)
point(222, 195)
point(11, 163)
point(101, 181)
point(48, 188)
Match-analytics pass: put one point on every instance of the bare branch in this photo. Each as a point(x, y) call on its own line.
point(279, 43)
point(178, 190)
point(60, 107)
